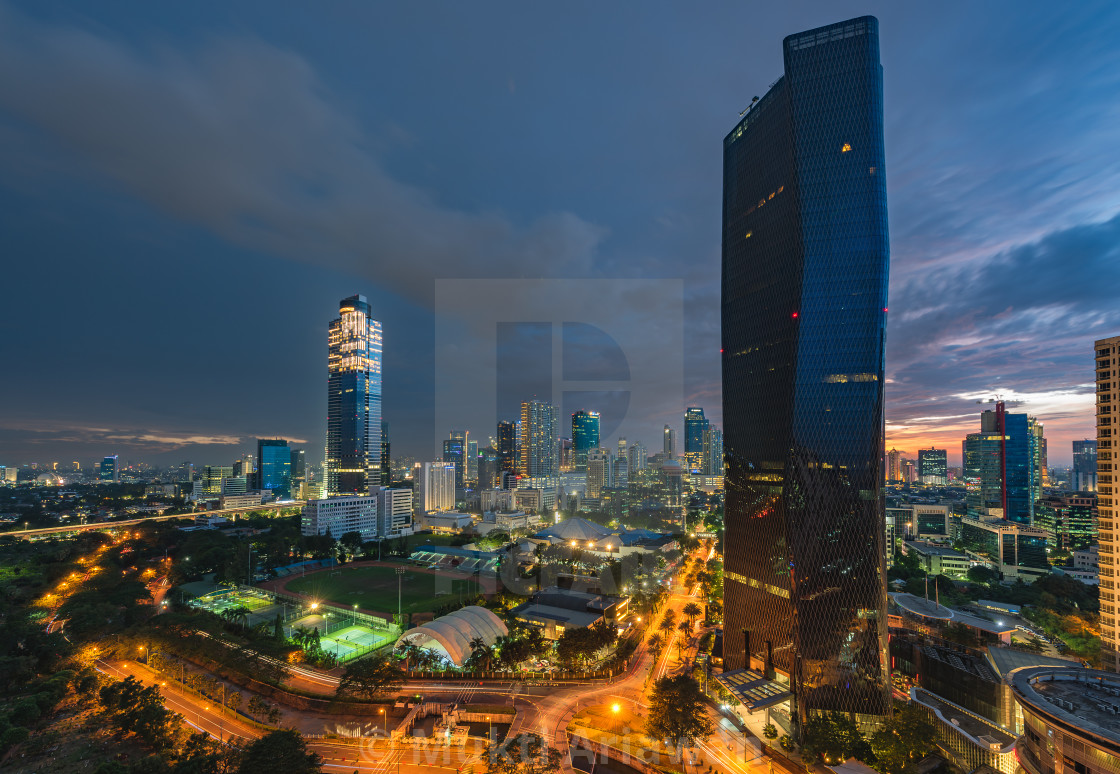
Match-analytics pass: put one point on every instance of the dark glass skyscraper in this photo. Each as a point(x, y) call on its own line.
point(585, 436)
point(694, 426)
point(274, 467)
point(353, 458)
point(805, 261)
point(507, 447)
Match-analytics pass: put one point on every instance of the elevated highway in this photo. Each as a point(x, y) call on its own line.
point(108, 526)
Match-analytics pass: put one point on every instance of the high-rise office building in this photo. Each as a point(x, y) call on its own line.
point(712, 456)
point(110, 470)
point(933, 467)
point(585, 436)
point(567, 455)
point(1001, 467)
point(637, 455)
point(507, 446)
point(1038, 458)
point(386, 466)
point(805, 264)
point(695, 424)
point(1108, 429)
point(274, 467)
point(894, 466)
point(540, 443)
point(1083, 476)
point(600, 472)
point(489, 466)
point(669, 443)
point(435, 486)
point(455, 453)
point(210, 482)
point(471, 461)
point(298, 471)
point(353, 453)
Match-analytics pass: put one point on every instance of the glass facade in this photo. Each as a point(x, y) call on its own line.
point(353, 453)
point(585, 436)
point(274, 467)
point(507, 446)
point(454, 453)
point(986, 454)
point(695, 426)
point(933, 467)
point(805, 269)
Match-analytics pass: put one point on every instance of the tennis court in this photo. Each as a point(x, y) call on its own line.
point(353, 641)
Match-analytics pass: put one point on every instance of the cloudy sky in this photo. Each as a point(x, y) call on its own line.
point(187, 190)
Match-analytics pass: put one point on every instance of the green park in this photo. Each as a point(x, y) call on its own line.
point(375, 587)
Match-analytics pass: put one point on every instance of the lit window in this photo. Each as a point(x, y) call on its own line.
point(846, 148)
point(873, 170)
point(749, 234)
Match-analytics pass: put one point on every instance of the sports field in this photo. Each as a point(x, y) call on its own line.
point(353, 641)
point(263, 609)
point(374, 587)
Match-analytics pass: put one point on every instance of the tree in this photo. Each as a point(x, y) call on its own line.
point(257, 706)
point(677, 711)
point(904, 739)
point(692, 611)
point(368, 677)
point(981, 574)
point(770, 731)
point(134, 709)
point(351, 541)
point(832, 738)
point(524, 754)
point(280, 752)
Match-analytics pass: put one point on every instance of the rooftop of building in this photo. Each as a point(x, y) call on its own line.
point(927, 608)
point(981, 730)
point(532, 611)
point(932, 549)
point(1085, 701)
point(1003, 660)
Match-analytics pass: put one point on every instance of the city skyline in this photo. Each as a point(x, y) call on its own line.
point(972, 213)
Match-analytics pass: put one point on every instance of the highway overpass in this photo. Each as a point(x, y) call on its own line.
point(106, 526)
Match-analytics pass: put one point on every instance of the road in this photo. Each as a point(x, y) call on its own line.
point(547, 715)
point(115, 525)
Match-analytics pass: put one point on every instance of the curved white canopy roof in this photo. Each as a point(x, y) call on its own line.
point(453, 632)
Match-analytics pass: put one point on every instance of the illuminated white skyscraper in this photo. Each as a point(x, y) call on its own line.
point(353, 454)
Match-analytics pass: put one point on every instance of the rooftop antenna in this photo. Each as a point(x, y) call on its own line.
point(743, 112)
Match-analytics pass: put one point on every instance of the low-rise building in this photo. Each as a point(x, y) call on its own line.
point(1014, 550)
point(445, 521)
point(938, 560)
point(1070, 720)
point(382, 513)
point(555, 610)
point(244, 500)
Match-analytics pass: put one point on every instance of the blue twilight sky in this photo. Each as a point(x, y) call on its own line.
point(187, 190)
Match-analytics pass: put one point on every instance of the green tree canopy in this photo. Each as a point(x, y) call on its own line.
point(369, 677)
point(677, 711)
point(280, 752)
point(903, 740)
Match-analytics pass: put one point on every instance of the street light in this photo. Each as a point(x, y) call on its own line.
point(490, 732)
point(384, 722)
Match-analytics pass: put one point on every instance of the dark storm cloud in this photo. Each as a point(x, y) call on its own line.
point(242, 138)
point(381, 149)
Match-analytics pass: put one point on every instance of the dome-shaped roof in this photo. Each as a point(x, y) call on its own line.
point(576, 529)
point(453, 632)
